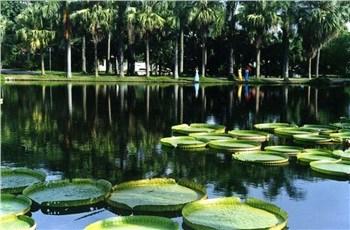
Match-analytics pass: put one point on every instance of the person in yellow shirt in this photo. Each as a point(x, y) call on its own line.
point(240, 77)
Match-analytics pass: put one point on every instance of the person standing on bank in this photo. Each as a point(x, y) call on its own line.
point(240, 78)
point(246, 73)
point(196, 76)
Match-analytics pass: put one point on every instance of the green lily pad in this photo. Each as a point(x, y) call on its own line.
point(309, 157)
point(21, 222)
point(312, 138)
point(323, 129)
point(206, 137)
point(182, 142)
point(63, 193)
point(14, 205)
point(290, 132)
point(271, 126)
point(253, 135)
point(342, 125)
point(342, 136)
point(155, 195)
point(318, 151)
point(290, 150)
point(198, 128)
point(344, 130)
point(15, 180)
point(336, 168)
point(231, 213)
point(134, 222)
point(234, 145)
point(344, 155)
point(262, 157)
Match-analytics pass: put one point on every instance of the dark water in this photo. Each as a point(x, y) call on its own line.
point(112, 132)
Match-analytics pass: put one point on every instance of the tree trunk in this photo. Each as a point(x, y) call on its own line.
point(258, 52)
point(42, 56)
point(181, 52)
point(204, 52)
point(69, 60)
point(176, 57)
point(309, 72)
point(147, 55)
point(286, 45)
point(131, 52)
point(231, 63)
point(121, 13)
point(317, 62)
point(83, 54)
point(108, 61)
point(96, 60)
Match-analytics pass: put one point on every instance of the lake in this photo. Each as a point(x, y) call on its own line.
point(113, 132)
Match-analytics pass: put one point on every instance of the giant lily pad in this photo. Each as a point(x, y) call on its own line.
point(271, 126)
point(290, 150)
point(155, 195)
point(14, 205)
point(344, 155)
point(253, 135)
point(182, 142)
point(21, 222)
point(307, 157)
point(336, 168)
point(342, 125)
point(231, 213)
point(14, 181)
point(262, 157)
point(134, 222)
point(206, 137)
point(341, 136)
point(198, 128)
point(63, 193)
point(234, 145)
point(323, 129)
point(289, 132)
point(313, 138)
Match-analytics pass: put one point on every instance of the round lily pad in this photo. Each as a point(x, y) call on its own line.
point(344, 155)
point(323, 129)
point(342, 125)
point(318, 151)
point(341, 136)
point(15, 180)
point(22, 222)
point(313, 138)
point(231, 213)
point(134, 222)
point(182, 142)
point(234, 145)
point(262, 157)
point(65, 193)
point(253, 135)
point(336, 168)
point(206, 137)
point(271, 126)
point(155, 195)
point(198, 128)
point(309, 157)
point(14, 205)
point(290, 150)
point(289, 132)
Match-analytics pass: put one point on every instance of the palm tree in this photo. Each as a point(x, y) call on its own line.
point(68, 35)
point(149, 20)
point(260, 16)
point(36, 27)
point(122, 7)
point(205, 15)
point(319, 23)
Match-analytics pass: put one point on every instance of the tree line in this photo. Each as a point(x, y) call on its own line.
point(274, 38)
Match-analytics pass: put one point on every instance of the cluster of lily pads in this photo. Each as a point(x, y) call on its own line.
point(147, 199)
point(246, 145)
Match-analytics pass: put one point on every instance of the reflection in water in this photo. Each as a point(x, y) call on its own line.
point(112, 132)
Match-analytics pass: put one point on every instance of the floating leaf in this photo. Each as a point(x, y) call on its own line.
point(271, 126)
point(313, 138)
point(14, 205)
point(290, 150)
point(17, 222)
point(342, 136)
point(234, 145)
point(206, 137)
point(344, 155)
point(262, 157)
point(15, 180)
point(198, 128)
point(323, 129)
point(155, 195)
point(253, 135)
point(336, 168)
point(342, 125)
point(309, 157)
point(182, 142)
point(63, 193)
point(134, 222)
point(231, 213)
point(289, 132)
